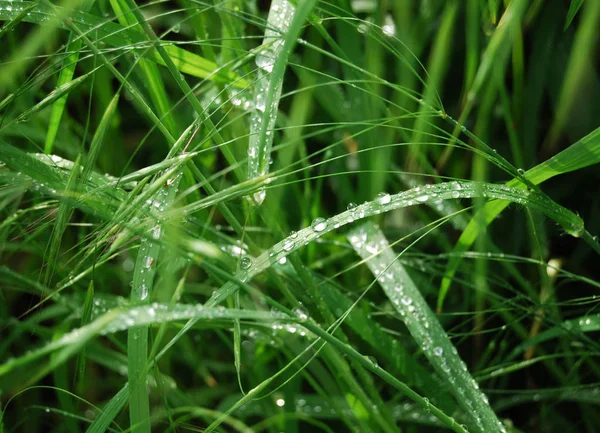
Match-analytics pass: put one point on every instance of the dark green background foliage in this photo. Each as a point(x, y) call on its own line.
point(343, 216)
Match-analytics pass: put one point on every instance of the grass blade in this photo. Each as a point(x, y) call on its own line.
point(581, 154)
point(272, 62)
point(573, 9)
point(370, 243)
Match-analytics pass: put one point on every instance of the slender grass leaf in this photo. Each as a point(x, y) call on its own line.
point(287, 20)
point(573, 9)
point(583, 153)
point(370, 243)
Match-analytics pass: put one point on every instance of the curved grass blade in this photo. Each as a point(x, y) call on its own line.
point(272, 60)
point(583, 153)
point(371, 245)
point(123, 319)
point(590, 323)
point(387, 202)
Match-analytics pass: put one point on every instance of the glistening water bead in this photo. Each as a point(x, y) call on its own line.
point(245, 262)
point(319, 224)
point(383, 198)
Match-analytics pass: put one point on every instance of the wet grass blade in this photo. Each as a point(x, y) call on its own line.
point(372, 246)
point(583, 153)
point(287, 21)
point(10, 25)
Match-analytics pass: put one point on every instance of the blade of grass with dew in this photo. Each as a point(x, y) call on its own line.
point(384, 202)
point(575, 327)
point(287, 20)
point(372, 246)
point(583, 153)
point(118, 36)
point(123, 319)
point(141, 290)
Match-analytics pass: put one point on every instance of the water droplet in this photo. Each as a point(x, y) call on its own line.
point(177, 28)
point(521, 171)
point(283, 260)
point(265, 60)
point(438, 351)
point(406, 300)
point(351, 206)
point(245, 262)
point(293, 234)
point(319, 224)
point(280, 402)
point(143, 292)
point(383, 198)
point(422, 198)
point(288, 245)
point(372, 360)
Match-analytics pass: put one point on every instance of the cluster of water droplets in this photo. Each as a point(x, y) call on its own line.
point(149, 246)
point(263, 117)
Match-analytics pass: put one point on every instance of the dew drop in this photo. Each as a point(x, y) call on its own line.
point(319, 224)
point(406, 300)
point(245, 262)
point(437, 351)
point(143, 292)
point(383, 198)
point(351, 206)
point(288, 245)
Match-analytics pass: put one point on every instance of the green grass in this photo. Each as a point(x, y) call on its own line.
point(244, 216)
